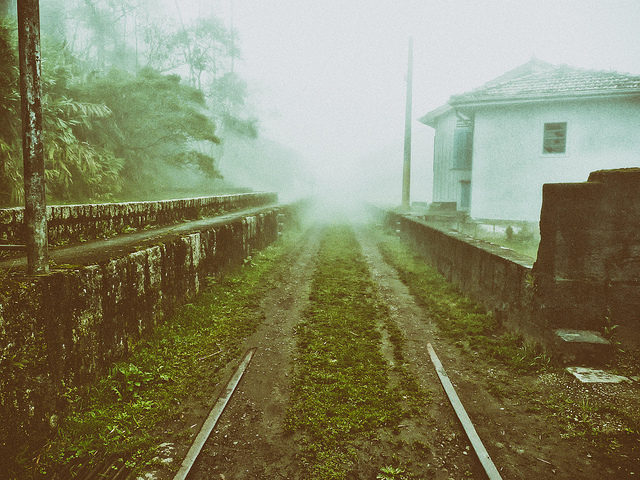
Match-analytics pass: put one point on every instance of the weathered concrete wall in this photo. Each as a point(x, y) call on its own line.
point(498, 278)
point(586, 276)
point(74, 223)
point(66, 327)
point(588, 265)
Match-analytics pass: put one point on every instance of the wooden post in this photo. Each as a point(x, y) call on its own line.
point(406, 170)
point(35, 212)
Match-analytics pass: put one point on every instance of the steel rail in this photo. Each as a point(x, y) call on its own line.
point(213, 417)
point(467, 425)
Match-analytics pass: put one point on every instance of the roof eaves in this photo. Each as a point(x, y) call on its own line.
point(430, 118)
point(554, 96)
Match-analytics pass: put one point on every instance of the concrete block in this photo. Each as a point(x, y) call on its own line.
point(581, 346)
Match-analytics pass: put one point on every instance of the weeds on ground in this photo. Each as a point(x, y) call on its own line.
point(125, 414)
point(415, 396)
point(456, 315)
point(391, 473)
point(604, 423)
point(341, 390)
point(604, 417)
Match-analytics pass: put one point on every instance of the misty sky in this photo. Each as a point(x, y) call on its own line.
point(327, 76)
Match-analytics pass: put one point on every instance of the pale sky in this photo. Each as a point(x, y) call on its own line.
point(328, 76)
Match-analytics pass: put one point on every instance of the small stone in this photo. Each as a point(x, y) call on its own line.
point(148, 476)
point(53, 421)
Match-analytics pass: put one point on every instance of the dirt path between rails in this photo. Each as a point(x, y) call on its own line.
point(506, 433)
point(248, 441)
point(452, 456)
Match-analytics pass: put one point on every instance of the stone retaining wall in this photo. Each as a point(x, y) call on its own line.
point(586, 276)
point(496, 277)
point(66, 327)
point(75, 223)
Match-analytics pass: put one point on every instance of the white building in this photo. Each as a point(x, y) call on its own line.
point(496, 146)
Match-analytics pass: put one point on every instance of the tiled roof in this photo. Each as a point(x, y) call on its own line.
point(551, 81)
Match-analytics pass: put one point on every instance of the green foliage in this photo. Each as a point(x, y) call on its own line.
point(10, 157)
point(156, 121)
point(112, 129)
point(391, 473)
point(341, 392)
point(75, 169)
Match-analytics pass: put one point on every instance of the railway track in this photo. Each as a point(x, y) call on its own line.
point(460, 412)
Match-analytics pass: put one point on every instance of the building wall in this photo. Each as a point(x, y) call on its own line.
point(446, 179)
point(509, 168)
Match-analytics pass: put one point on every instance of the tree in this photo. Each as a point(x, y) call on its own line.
point(75, 169)
point(109, 126)
point(227, 97)
point(10, 154)
point(205, 47)
point(156, 120)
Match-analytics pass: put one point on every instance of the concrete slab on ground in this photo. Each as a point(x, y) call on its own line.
point(593, 375)
point(581, 336)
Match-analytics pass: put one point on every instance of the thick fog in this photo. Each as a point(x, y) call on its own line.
point(325, 81)
point(328, 78)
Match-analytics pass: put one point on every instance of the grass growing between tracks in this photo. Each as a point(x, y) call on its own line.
point(132, 409)
point(457, 316)
point(342, 390)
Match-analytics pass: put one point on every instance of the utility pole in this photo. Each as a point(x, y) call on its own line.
point(406, 170)
point(35, 211)
point(233, 36)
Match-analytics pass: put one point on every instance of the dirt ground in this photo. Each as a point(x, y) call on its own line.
point(249, 441)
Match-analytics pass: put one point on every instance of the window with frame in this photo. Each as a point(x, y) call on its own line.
point(555, 138)
point(462, 145)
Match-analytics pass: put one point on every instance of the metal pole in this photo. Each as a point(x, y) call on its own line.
point(35, 212)
point(406, 170)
